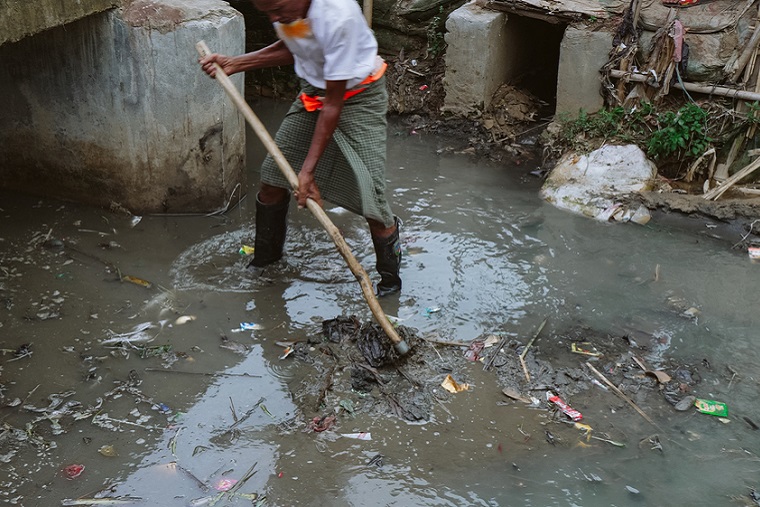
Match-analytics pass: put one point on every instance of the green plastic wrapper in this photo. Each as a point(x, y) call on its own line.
point(711, 407)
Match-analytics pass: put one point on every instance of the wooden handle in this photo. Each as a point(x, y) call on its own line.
point(316, 209)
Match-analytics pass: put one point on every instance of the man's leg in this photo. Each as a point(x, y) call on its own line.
point(271, 225)
point(388, 254)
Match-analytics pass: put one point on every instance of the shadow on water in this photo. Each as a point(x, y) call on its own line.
point(480, 248)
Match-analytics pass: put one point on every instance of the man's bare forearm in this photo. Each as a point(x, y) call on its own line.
point(273, 55)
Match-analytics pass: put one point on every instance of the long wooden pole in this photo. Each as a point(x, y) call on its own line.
point(692, 87)
point(368, 6)
point(361, 276)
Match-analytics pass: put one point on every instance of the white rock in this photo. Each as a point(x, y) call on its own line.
point(593, 185)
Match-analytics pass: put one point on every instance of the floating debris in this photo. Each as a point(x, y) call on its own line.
point(108, 451)
point(73, 471)
point(711, 407)
point(120, 500)
point(137, 335)
point(358, 436)
point(453, 386)
point(584, 348)
point(225, 484)
point(236, 347)
point(248, 326)
point(564, 407)
point(137, 281)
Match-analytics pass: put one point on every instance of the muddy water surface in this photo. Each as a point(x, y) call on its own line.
point(483, 255)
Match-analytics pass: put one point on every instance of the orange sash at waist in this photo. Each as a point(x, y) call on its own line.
point(315, 103)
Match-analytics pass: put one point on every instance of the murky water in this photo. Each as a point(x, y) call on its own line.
point(481, 247)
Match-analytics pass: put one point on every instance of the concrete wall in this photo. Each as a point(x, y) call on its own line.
point(113, 108)
point(481, 55)
point(20, 18)
point(582, 54)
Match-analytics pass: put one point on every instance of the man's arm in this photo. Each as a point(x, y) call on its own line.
point(274, 55)
point(327, 122)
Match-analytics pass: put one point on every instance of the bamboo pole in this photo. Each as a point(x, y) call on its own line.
point(751, 46)
point(367, 8)
point(692, 87)
point(718, 191)
point(622, 395)
point(361, 276)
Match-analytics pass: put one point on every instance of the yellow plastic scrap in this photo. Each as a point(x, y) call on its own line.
point(585, 349)
point(585, 428)
point(452, 386)
point(136, 281)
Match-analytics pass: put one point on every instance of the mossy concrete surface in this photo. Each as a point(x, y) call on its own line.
point(20, 18)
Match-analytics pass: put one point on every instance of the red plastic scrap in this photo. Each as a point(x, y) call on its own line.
point(564, 407)
point(73, 471)
point(322, 423)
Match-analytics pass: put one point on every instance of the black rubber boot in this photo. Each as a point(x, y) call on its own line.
point(388, 253)
point(271, 227)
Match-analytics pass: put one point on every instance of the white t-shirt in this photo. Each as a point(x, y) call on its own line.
point(339, 45)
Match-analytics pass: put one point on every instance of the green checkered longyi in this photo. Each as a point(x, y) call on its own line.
point(351, 172)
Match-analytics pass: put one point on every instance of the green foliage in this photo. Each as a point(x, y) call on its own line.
point(435, 30)
point(680, 132)
point(753, 116)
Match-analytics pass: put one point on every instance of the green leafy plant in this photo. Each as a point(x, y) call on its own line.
point(435, 30)
point(680, 132)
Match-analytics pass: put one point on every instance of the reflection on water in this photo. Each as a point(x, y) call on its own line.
point(479, 246)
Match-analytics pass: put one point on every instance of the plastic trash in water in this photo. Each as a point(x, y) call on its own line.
point(431, 310)
point(453, 386)
point(564, 407)
point(288, 350)
point(108, 451)
point(358, 436)
point(754, 253)
point(224, 484)
point(73, 471)
point(248, 326)
point(711, 407)
point(245, 250)
point(584, 348)
point(184, 319)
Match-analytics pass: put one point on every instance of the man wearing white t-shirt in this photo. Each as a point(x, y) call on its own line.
point(334, 133)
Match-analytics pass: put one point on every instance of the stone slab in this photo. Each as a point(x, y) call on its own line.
point(21, 18)
point(114, 109)
point(582, 54)
point(480, 55)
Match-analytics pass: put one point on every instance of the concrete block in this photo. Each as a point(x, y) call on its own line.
point(20, 18)
point(582, 54)
point(115, 109)
point(480, 56)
